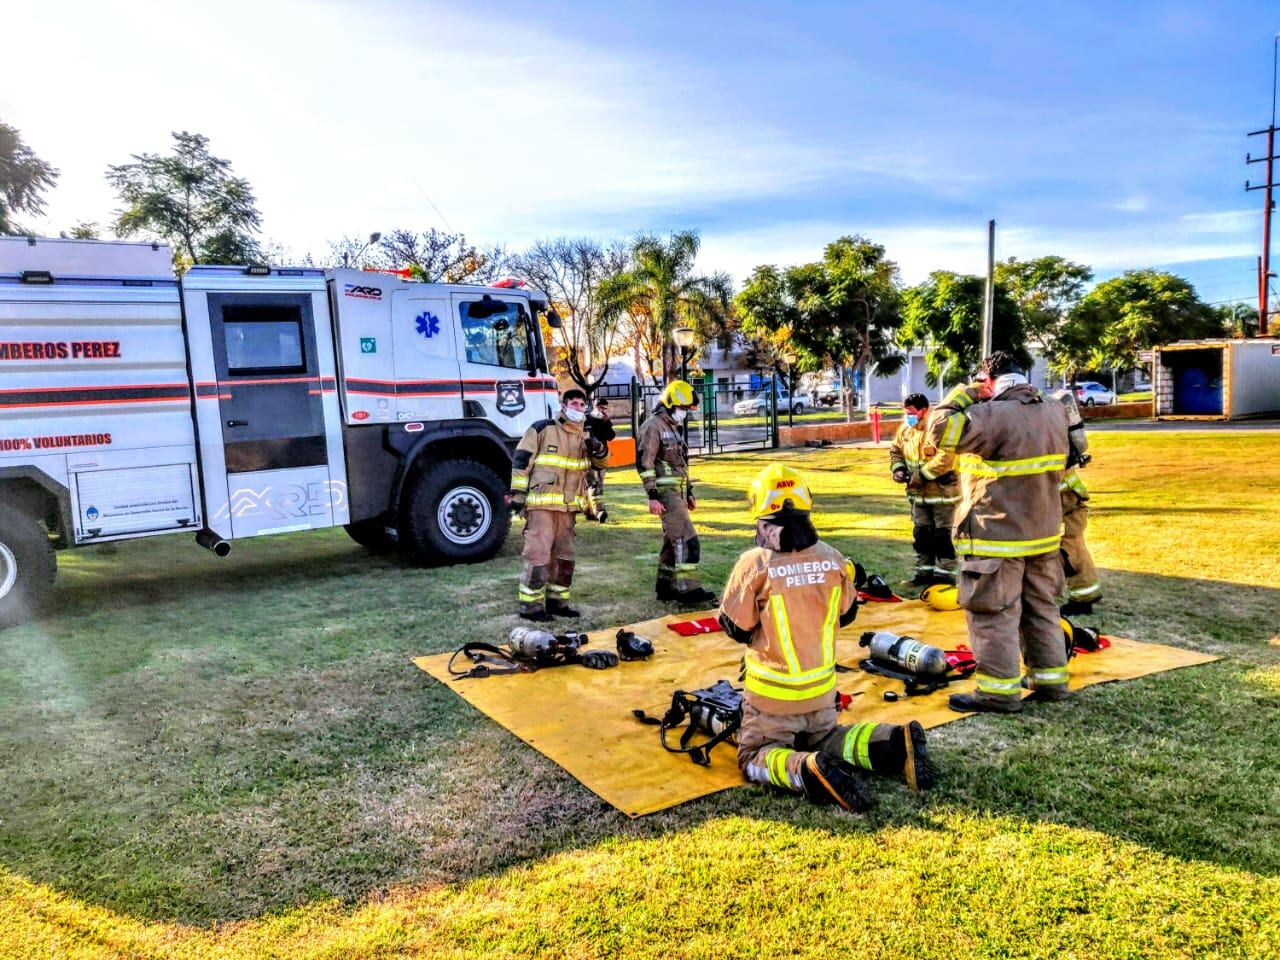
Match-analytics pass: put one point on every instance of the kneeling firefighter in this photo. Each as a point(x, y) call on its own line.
point(662, 460)
point(787, 598)
point(548, 480)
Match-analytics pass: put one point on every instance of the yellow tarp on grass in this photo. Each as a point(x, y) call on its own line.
point(582, 718)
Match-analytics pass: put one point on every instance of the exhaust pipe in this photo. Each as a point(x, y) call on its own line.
point(211, 541)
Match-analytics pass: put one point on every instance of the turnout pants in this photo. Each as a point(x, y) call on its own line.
point(548, 558)
point(678, 559)
point(1082, 576)
point(931, 537)
point(773, 747)
point(1011, 605)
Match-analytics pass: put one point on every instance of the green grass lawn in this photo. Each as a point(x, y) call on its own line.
point(234, 758)
point(1136, 397)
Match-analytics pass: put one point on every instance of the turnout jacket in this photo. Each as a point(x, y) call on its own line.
point(790, 606)
point(662, 459)
point(1079, 441)
point(911, 449)
point(1010, 454)
point(549, 469)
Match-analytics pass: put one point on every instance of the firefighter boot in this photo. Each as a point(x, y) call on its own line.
point(826, 780)
point(917, 769)
point(977, 703)
point(558, 590)
point(533, 593)
point(697, 597)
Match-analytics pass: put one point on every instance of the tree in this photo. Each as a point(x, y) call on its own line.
point(432, 256)
point(85, 230)
point(191, 199)
point(944, 315)
point(1045, 289)
point(1239, 319)
point(660, 290)
point(841, 310)
point(1136, 311)
point(24, 177)
point(570, 272)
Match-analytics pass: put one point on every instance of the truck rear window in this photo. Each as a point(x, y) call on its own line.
point(263, 339)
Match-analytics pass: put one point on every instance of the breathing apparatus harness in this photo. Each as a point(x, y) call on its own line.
point(528, 650)
point(715, 712)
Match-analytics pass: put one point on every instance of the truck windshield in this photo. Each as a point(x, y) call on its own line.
point(500, 339)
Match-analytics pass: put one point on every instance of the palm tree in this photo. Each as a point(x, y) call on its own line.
point(661, 291)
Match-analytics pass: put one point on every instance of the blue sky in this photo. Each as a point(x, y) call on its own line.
point(1112, 133)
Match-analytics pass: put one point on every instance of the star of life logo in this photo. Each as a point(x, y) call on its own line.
point(428, 324)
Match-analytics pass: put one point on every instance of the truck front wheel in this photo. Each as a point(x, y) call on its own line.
point(454, 513)
point(27, 566)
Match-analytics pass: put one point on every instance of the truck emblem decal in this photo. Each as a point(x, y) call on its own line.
point(91, 513)
point(362, 292)
point(360, 415)
point(510, 396)
point(428, 324)
point(368, 344)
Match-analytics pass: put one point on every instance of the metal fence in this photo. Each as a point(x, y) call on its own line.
point(728, 417)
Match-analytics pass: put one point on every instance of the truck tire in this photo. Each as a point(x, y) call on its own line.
point(454, 513)
point(27, 566)
point(798, 409)
point(371, 534)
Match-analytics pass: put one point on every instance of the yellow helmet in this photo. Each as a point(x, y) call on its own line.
point(677, 393)
point(941, 596)
point(773, 487)
point(1069, 631)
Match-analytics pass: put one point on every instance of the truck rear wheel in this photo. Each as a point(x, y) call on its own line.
point(27, 566)
point(371, 534)
point(454, 514)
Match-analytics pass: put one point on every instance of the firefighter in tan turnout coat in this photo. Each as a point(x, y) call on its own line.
point(933, 498)
point(787, 598)
point(662, 460)
point(548, 482)
point(1010, 448)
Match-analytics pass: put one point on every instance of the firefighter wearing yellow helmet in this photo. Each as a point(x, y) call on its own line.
point(786, 599)
point(662, 459)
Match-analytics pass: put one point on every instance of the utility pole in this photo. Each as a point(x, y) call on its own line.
point(989, 295)
point(1264, 264)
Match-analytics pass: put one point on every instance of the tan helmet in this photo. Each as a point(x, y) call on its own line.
point(941, 596)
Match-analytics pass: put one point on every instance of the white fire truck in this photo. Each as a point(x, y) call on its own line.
point(246, 401)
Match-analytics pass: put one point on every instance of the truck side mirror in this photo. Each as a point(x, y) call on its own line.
point(553, 319)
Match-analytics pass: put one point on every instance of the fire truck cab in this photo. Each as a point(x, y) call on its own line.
point(247, 401)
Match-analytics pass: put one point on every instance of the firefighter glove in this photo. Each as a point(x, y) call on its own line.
point(598, 659)
point(901, 475)
point(515, 501)
point(596, 448)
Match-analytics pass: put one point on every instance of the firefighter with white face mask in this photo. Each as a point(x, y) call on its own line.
point(662, 459)
point(933, 498)
point(787, 598)
point(548, 483)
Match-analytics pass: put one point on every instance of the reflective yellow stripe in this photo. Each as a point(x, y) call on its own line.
point(973, 464)
point(1049, 676)
point(999, 685)
point(951, 435)
point(857, 744)
point(647, 474)
point(775, 762)
point(1087, 592)
point(778, 606)
point(527, 594)
point(930, 501)
point(829, 629)
point(1012, 548)
point(555, 460)
point(671, 481)
point(1073, 483)
point(520, 481)
point(552, 498)
point(754, 668)
point(958, 398)
point(775, 692)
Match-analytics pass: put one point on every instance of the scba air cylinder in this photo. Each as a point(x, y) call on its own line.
point(904, 653)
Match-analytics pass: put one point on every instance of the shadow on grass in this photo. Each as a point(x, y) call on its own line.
point(236, 740)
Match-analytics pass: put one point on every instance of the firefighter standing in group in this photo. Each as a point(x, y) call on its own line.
point(548, 483)
point(1084, 589)
point(1010, 445)
point(787, 599)
point(932, 500)
point(662, 459)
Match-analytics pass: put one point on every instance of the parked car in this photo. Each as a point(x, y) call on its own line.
point(827, 394)
point(760, 403)
point(1090, 392)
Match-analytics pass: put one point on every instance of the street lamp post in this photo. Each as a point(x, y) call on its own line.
point(373, 238)
point(684, 338)
point(789, 358)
